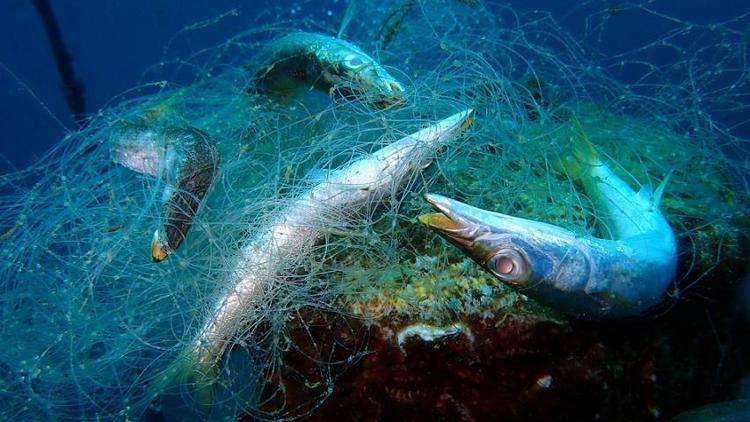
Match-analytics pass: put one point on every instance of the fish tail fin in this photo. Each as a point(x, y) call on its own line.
point(582, 157)
point(194, 371)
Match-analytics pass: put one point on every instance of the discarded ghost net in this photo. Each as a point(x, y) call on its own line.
point(94, 326)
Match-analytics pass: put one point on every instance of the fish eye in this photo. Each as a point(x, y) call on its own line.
point(353, 62)
point(509, 265)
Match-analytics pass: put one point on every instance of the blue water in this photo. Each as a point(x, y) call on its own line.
point(113, 42)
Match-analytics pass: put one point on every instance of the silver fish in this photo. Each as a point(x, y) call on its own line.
point(295, 231)
point(588, 277)
point(303, 60)
point(186, 159)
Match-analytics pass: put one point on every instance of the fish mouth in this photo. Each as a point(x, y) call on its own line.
point(374, 94)
point(468, 120)
point(383, 90)
point(388, 103)
point(453, 220)
point(438, 222)
point(453, 124)
point(389, 94)
point(159, 251)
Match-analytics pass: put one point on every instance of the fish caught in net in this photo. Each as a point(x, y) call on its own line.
point(298, 160)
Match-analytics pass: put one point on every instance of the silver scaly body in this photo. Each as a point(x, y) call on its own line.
point(303, 60)
point(298, 227)
point(584, 276)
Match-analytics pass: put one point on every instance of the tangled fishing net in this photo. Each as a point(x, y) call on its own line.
point(90, 321)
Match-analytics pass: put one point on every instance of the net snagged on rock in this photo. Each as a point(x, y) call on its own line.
point(91, 322)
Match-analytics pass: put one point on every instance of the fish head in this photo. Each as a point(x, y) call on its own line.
point(159, 248)
point(521, 253)
point(359, 75)
point(569, 272)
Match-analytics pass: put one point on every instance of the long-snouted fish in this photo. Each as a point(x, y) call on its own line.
point(304, 60)
point(185, 159)
point(294, 232)
point(583, 276)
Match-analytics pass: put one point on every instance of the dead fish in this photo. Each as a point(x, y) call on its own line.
point(303, 60)
point(625, 274)
point(186, 159)
point(292, 235)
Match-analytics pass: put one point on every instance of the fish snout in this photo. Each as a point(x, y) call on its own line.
point(385, 91)
point(480, 237)
point(441, 203)
point(394, 87)
point(159, 249)
point(450, 222)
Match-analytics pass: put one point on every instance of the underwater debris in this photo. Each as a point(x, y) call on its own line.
point(624, 274)
point(429, 333)
point(300, 61)
point(73, 87)
point(186, 160)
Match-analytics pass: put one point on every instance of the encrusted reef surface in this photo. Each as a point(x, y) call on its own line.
point(439, 339)
point(512, 368)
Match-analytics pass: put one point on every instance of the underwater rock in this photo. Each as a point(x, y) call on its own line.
point(509, 369)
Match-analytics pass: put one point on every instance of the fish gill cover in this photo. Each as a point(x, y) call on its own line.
point(94, 328)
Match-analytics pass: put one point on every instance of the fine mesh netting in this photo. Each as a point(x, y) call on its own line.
point(90, 322)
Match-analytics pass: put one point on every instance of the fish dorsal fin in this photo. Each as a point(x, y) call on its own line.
point(660, 189)
point(648, 194)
